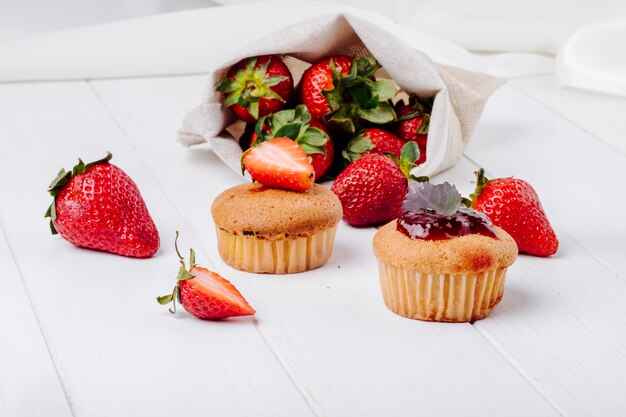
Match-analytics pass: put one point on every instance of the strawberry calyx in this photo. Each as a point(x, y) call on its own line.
point(357, 147)
point(183, 275)
point(294, 124)
point(249, 85)
point(410, 154)
point(418, 108)
point(62, 178)
point(481, 182)
point(358, 96)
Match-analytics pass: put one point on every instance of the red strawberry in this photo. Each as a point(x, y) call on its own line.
point(372, 188)
point(342, 92)
point(371, 141)
point(279, 163)
point(255, 87)
point(98, 206)
point(413, 123)
point(513, 205)
point(298, 125)
point(205, 294)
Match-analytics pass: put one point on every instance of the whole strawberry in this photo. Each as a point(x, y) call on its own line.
point(203, 293)
point(342, 91)
point(513, 205)
point(413, 123)
point(372, 188)
point(98, 206)
point(257, 86)
point(297, 124)
point(372, 141)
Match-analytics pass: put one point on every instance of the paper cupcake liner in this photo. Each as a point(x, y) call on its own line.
point(441, 297)
point(279, 256)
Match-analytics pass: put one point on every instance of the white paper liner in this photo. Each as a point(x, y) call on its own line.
point(277, 256)
point(441, 297)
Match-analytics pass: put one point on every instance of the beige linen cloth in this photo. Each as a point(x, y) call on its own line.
point(460, 95)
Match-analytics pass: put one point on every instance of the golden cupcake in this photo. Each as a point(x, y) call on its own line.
point(440, 261)
point(270, 230)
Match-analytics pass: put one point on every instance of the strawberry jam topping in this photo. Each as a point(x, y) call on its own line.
point(427, 224)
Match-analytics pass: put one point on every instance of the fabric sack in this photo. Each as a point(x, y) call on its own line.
point(459, 95)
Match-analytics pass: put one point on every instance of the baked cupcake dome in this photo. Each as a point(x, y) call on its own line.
point(269, 230)
point(458, 279)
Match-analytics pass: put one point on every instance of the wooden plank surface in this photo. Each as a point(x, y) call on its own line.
point(29, 383)
point(330, 326)
point(121, 353)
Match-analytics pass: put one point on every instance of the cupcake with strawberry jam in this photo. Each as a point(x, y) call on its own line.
point(440, 261)
point(282, 223)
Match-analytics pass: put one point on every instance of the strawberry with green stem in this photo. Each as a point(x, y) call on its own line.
point(372, 140)
point(298, 125)
point(257, 86)
point(203, 293)
point(98, 206)
point(343, 92)
point(414, 122)
point(513, 204)
point(372, 189)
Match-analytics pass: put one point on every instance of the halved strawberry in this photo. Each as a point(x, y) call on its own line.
point(205, 294)
point(257, 86)
point(279, 163)
point(297, 124)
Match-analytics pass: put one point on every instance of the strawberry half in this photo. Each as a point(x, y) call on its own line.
point(297, 124)
point(342, 91)
point(513, 205)
point(372, 189)
point(205, 294)
point(257, 86)
point(98, 206)
point(279, 163)
point(371, 141)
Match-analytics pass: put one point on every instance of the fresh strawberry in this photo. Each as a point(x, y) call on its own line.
point(255, 87)
point(279, 163)
point(342, 91)
point(298, 125)
point(513, 205)
point(413, 123)
point(371, 141)
point(98, 206)
point(372, 188)
point(205, 294)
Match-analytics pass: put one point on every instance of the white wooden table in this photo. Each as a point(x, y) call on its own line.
point(82, 335)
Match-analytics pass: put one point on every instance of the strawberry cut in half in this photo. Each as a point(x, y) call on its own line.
point(98, 206)
point(257, 86)
point(513, 204)
point(279, 163)
point(343, 92)
point(297, 124)
point(204, 293)
point(372, 141)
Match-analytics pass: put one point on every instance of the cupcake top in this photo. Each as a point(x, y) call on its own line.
point(272, 213)
point(437, 235)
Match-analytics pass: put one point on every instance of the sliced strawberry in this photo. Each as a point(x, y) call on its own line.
point(298, 125)
point(279, 163)
point(205, 294)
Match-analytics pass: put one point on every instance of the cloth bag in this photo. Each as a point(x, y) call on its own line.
point(459, 95)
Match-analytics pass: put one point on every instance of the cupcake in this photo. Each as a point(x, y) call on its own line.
point(440, 261)
point(282, 223)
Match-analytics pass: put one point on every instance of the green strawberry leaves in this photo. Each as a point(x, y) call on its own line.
point(356, 148)
point(183, 274)
point(249, 85)
point(62, 178)
point(443, 198)
point(294, 124)
point(356, 96)
point(481, 183)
